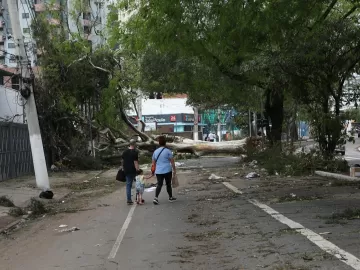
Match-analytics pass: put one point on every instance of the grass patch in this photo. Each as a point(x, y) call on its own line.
point(16, 212)
point(289, 198)
point(36, 207)
point(284, 161)
point(6, 202)
point(342, 217)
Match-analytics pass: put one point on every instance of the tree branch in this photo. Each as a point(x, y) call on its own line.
point(77, 60)
point(351, 11)
point(325, 14)
point(99, 68)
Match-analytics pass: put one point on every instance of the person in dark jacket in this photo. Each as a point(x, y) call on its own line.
point(130, 166)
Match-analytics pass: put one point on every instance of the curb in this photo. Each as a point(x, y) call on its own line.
point(337, 176)
point(10, 226)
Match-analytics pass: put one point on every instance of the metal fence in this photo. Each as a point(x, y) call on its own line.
point(15, 151)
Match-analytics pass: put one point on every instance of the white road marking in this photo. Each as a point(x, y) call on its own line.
point(317, 239)
point(122, 233)
point(231, 187)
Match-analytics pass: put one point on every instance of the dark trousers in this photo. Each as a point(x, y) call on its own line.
point(160, 181)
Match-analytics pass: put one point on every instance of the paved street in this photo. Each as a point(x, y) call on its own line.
point(209, 227)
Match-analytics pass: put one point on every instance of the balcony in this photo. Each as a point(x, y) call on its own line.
point(43, 7)
point(87, 22)
point(54, 21)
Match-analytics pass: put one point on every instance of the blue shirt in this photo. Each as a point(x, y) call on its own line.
point(163, 164)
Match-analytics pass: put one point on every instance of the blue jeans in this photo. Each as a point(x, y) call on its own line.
point(129, 181)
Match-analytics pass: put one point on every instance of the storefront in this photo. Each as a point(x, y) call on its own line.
point(169, 122)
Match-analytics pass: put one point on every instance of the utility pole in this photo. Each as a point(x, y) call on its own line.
point(37, 150)
point(196, 124)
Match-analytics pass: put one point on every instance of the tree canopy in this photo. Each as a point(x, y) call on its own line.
point(234, 52)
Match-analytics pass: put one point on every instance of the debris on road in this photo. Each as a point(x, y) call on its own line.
point(322, 233)
point(63, 226)
point(252, 175)
point(86, 181)
point(253, 163)
point(73, 229)
point(179, 164)
point(215, 177)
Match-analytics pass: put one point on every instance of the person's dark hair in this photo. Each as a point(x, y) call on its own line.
point(162, 141)
point(140, 171)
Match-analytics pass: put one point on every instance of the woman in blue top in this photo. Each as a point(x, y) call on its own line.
point(165, 169)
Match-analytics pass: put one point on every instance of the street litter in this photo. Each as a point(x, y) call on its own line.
point(86, 181)
point(179, 164)
point(63, 226)
point(252, 175)
point(150, 189)
point(236, 173)
point(322, 233)
point(215, 177)
point(293, 195)
point(73, 229)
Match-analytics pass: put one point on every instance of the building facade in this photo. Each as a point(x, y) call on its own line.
point(91, 24)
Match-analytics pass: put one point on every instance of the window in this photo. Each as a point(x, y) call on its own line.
point(99, 5)
point(188, 128)
point(12, 60)
point(9, 31)
point(26, 15)
point(2, 61)
point(87, 30)
point(87, 16)
point(26, 30)
point(11, 45)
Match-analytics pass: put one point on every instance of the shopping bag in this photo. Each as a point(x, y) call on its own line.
point(120, 176)
point(175, 182)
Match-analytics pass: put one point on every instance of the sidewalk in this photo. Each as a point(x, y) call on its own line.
point(22, 189)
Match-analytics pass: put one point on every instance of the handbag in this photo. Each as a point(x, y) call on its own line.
point(153, 166)
point(175, 182)
point(120, 176)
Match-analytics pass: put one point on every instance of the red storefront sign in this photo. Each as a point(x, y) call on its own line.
point(173, 118)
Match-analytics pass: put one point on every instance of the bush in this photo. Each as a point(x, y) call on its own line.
point(36, 207)
point(6, 202)
point(16, 212)
point(275, 160)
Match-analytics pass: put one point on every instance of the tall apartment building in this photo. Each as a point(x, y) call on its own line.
point(91, 24)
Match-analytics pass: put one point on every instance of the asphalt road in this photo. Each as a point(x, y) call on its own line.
point(209, 227)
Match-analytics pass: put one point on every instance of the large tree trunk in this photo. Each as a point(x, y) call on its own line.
point(274, 107)
point(198, 148)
